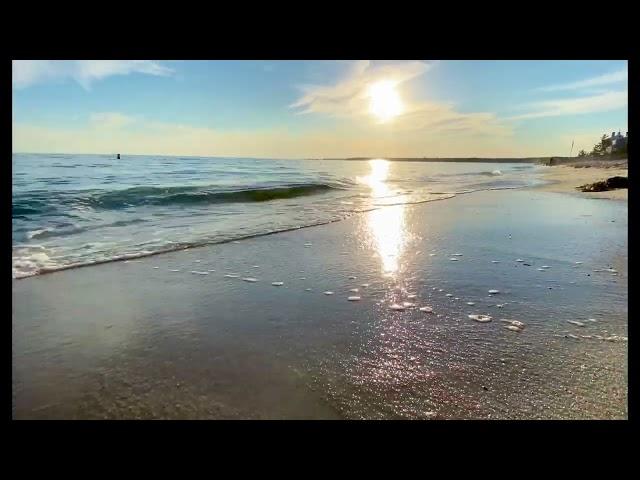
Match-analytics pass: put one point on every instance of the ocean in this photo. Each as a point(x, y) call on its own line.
point(75, 210)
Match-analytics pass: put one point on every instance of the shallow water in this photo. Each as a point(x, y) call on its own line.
point(133, 341)
point(84, 209)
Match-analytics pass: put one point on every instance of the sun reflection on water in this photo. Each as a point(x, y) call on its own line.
point(386, 225)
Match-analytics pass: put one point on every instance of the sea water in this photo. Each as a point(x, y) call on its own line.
point(74, 210)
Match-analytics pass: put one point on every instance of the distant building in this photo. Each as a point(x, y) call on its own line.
point(618, 142)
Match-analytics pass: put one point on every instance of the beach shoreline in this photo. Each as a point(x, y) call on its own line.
point(565, 178)
point(182, 335)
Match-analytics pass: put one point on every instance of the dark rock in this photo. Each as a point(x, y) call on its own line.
point(611, 183)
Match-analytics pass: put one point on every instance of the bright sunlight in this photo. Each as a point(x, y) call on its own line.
point(385, 100)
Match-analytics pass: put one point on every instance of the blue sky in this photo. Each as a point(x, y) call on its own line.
point(295, 109)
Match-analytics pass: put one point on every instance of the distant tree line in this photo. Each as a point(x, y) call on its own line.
point(601, 147)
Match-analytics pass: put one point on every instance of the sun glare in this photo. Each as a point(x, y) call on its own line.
point(385, 101)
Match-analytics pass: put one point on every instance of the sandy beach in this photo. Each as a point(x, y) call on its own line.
point(182, 335)
point(565, 178)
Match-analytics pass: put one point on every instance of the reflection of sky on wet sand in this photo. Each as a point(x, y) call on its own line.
point(387, 230)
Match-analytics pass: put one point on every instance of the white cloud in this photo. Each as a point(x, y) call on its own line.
point(30, 72)
point(601, 102)
point(607, 79)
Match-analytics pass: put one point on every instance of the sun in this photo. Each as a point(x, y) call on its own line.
point(385, 101)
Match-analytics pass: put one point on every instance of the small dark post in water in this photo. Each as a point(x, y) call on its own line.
point(118, 156)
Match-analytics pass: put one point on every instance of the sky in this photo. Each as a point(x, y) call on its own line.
point(317, 109)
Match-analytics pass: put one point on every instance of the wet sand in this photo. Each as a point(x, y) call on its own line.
point(565, 178)
point(128, 340)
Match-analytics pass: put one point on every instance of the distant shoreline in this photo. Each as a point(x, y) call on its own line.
point(535, 160)
point(543, 160)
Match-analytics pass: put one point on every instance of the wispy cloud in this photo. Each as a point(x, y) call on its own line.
point(348, 97)
point(607, 79)
point(30, 72)
point(576, 106)
point(110, 120)
point(114, 132)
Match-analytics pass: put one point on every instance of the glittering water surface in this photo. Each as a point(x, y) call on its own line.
point(129, 340)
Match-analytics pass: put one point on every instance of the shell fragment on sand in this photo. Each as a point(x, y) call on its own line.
point(172, 270)
point(250, 279)
point(480, 318)
point(408, 304)
point(277, 284)
point(354, 290)
point(232, 275)
point(328, 292)
point(449, 295)
point(426, 309)
point(199, 273)
point(575, 322)
point(494, 291)
point(352, 277)
point(514, 325)
point(411, 296)
point(432, 254)
point(471, 303)
point(307, 289)
point(364, 285)
point(456, 255)
point(615, 338)
point(395, 306)
point(453, 259)
point(353, 298)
